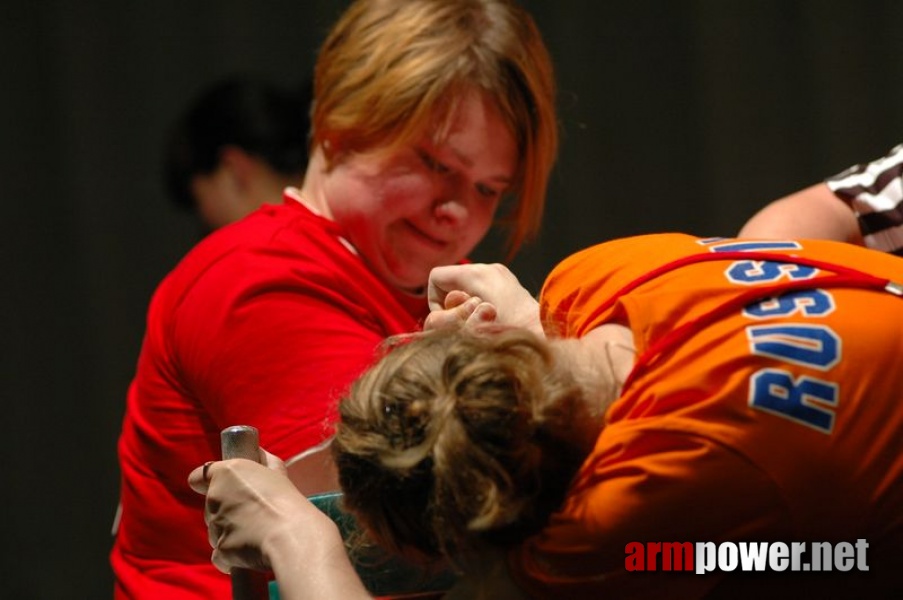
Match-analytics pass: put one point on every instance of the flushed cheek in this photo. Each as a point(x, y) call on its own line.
point(483, 220)
point(478, 225)
point(408, 193)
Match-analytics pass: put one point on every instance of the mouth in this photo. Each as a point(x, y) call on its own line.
point(426, 238)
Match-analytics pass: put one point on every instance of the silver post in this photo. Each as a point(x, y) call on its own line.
point(243, 441)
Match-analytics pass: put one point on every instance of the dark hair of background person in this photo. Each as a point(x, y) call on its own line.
point(262, 119)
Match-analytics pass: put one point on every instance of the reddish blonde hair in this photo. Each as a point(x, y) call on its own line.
point(392, 70)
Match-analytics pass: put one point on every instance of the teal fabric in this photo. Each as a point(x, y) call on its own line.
point(383, 575)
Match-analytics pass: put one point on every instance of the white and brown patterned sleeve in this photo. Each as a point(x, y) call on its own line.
point(874, 191)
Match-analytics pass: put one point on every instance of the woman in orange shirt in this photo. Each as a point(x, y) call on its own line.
point(664, 388)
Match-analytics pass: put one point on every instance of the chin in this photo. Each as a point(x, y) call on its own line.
point(410, 279)
point(416, 285)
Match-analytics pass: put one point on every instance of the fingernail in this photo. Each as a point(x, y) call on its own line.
point(484, 313)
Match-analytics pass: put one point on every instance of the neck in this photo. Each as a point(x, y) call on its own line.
point(313, 192)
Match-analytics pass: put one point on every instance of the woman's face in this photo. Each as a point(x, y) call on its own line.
point(428, 204)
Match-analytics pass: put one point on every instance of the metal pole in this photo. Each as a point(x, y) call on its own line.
point(243, 441)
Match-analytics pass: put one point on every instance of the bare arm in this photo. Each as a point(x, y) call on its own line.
point(313, 471)
point(257, 519)
point(814, 212)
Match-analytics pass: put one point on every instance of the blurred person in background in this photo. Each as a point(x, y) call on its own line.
point(239, 144)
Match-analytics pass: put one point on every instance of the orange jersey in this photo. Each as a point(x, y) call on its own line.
point(766, 403)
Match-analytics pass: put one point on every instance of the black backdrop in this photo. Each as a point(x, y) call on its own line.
point(676, 115)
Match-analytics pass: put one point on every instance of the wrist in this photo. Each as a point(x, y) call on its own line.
point(309, 561)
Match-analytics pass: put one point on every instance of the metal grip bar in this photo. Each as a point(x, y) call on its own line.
point(243, 441)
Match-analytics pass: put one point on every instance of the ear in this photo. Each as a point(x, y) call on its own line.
point(242, 166)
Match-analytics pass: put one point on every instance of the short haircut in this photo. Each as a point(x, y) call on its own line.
point(390, 69)
point(262, 119)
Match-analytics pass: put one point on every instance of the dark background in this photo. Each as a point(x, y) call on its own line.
point(676, 115)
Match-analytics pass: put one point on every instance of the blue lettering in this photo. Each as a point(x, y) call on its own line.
point(776, 392)
point(815, 346)
point(758, 271)
point(811, 303)
point(747, 246)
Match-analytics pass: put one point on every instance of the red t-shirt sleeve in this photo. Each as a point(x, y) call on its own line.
point(278, 353)
point(281, 364)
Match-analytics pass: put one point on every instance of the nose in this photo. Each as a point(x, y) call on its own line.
point(451, 206)
point(452, 212)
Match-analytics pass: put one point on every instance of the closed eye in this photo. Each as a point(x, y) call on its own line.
point(487, 192)
point(432, 164)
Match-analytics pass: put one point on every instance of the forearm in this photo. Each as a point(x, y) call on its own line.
point(314, 565)
point(813, 213)
point(257, 519)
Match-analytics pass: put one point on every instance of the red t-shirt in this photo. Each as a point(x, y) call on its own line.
point(743, 420)
point(264, 323)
